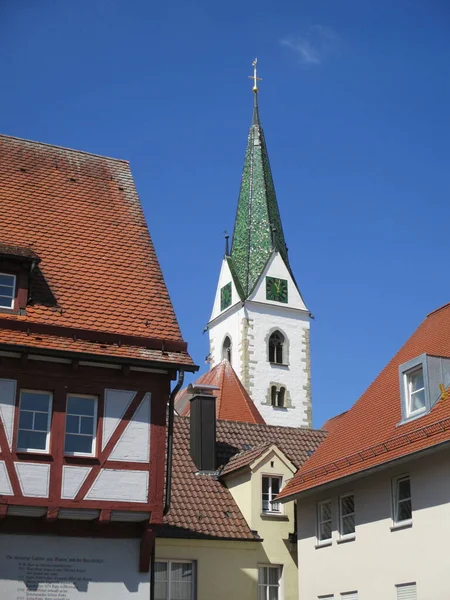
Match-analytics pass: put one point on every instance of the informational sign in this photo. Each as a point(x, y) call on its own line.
point(34, 567)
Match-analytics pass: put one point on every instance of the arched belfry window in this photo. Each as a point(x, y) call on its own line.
point(276, 343)
point(278, 396)
point(226, 348)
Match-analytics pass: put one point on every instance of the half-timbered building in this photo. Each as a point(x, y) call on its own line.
point(89, 346)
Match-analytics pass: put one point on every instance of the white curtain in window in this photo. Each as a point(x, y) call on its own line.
point(407, 591)
point(181, 581)
point(349, 596)
point(161, 587)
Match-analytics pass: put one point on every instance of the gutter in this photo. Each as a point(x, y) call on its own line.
point(174, 392)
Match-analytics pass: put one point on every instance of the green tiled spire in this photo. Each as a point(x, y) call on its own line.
point(257, 228)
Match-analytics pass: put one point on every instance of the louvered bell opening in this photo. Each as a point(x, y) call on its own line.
point(203, 427)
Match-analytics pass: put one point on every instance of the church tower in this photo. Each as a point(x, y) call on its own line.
point(259, 320)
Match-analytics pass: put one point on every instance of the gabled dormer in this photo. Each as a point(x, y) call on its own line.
point(423, 381)
point(17, 266)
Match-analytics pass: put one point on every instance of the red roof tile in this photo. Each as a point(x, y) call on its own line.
point(233, 402)
point(369, 434)
point(81, 215)
point(201, 505)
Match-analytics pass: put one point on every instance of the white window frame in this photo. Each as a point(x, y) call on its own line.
point(49, 420)
point(168, 562)
point(271, 511)
point(318, 522)
point(265, 595)
point(408, 393)
point(395, 500)
point(342, 535)
point(94, 434)
point(14, 290)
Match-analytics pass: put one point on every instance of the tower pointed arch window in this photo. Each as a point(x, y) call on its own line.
point(276, 347)
point(226, 349)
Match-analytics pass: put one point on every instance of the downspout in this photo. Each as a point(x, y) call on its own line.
point(174, 392)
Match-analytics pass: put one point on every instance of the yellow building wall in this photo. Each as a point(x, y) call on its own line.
point(246, 489)
point(224, 570)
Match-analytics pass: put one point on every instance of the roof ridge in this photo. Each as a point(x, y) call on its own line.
point(438, 309)
point(74, 150)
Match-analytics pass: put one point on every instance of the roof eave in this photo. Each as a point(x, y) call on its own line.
point(364, 472)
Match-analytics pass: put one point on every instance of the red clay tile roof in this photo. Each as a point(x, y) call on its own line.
point(369, 434)
point(233, 402)
point(81, 215)
point(201, 505)
point(244, 458)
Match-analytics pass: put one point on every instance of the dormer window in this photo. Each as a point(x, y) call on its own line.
point(415, 392)
point(7, 290)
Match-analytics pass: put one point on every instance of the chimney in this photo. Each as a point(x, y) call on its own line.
point(203, 427)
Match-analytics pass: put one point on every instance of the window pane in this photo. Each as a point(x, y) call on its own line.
point(6, 279)
point(40, 421)
point(325, 511)
point(265, 485)
point(180, 590)
point(181, 571)
point(6, 291)
point(275, 486)
point(325, 530)
point(273, 575)
point(160, 590)
point(78, 443)
point(160, 571)
point(80, 406)
point(348, 505)
point(34, 401)
point(87, 425)
point(262, 575)
point(404, 510)
point(72, 424)
point(416, 380)
point(25, 420)
point(348, 524)
point(6, 302)
point(273, 593)
point(31, 440)
point(417, 400)
point(404, 489)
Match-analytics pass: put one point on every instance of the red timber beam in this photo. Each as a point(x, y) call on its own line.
point(147, 549)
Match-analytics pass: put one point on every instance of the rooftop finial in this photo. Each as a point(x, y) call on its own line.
point(254, 77)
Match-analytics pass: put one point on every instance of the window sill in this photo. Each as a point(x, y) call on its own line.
point(81, 460)
point(275, 364)
point(347, 538)
point(274, 516)
point(323, 544)
point(34, 455)
point(402, 525)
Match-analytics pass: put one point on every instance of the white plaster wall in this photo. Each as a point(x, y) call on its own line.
point(228, 324)
point(34, 478)
point(379, 558)
point(120, 486)
point(72, 480)
point(277, 268)
point(5, 484)
point(224, 278)
point(292, 324)
point(116, 403)
point(7, 402)
point(70, 568)
point(134, 443)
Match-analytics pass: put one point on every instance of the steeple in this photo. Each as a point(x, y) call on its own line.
point(257, 228)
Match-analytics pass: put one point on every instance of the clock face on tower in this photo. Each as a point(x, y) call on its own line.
point(225, 296)
point(276, 289)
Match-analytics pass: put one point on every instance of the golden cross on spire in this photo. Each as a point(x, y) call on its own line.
point(254, 77)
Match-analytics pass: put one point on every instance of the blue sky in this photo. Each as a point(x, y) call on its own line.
point(355, 106)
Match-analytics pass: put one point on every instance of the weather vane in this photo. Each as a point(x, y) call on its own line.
point(254, 77)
